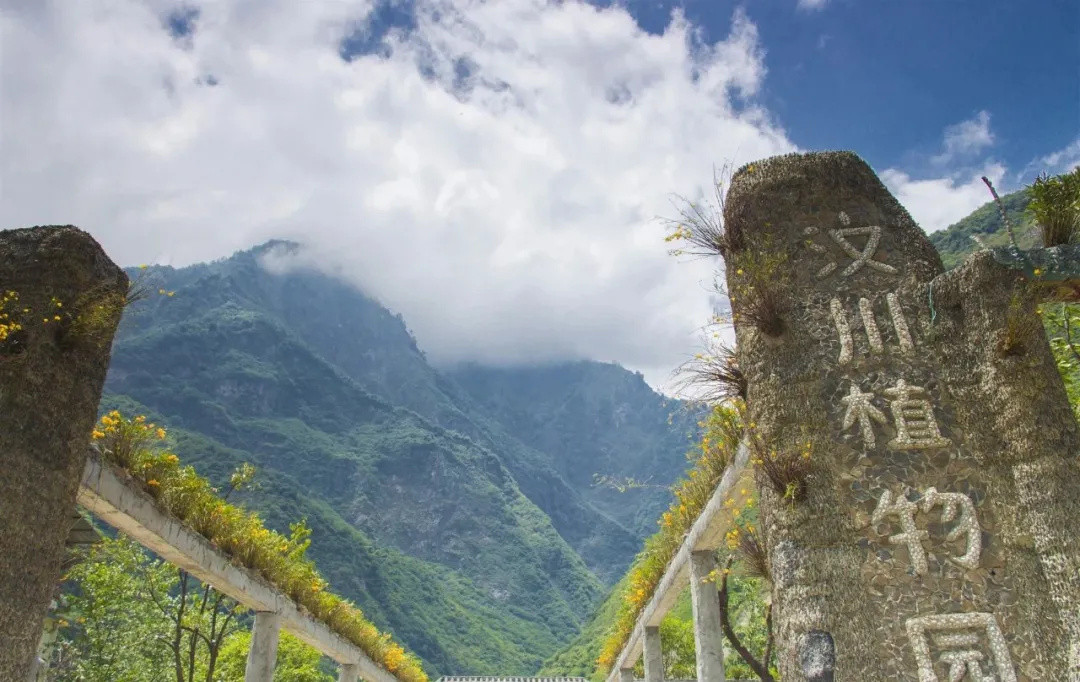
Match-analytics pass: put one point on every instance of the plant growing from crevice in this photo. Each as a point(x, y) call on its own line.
point(755, 289)
point(700, 226)
point(713, 376)
point(1055, 207)
point(786, 470)
point(1019, 326)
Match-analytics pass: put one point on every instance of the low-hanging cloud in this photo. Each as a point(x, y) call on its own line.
point(497, 186)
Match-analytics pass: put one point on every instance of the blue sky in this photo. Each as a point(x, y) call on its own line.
point(494, 171)
point(885, 77)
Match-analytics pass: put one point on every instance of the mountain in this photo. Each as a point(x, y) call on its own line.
point(473, 536)
point(984, 225)
point(595, 413)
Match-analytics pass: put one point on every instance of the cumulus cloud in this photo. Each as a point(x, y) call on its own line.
point(966, 138)
point(811, 5)
point(1055, 163)
point(936, 203)
point(496, 186)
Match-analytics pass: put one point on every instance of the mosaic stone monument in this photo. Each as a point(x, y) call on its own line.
point(62, 301)
point(938, 537)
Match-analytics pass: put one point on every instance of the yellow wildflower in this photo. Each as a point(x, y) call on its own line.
point(160, 434)
point(97, 435)
point(153, 483)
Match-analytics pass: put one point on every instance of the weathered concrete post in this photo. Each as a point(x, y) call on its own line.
point(708, 634)
point(62, 298)
point(348, 673)
point(262, 656)
point(653, 654)
point(935, 538)
point(626, 675)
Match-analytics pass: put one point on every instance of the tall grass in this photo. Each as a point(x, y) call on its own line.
point(722, 432)
point(137, 447)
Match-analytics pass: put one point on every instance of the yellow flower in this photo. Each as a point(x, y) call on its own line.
point(56, 317)
point(97, 435)
point(172, 459)
point(161, 434)
point(143, 266)
point(140, 419)
point(1038, 272)
point(153, 483)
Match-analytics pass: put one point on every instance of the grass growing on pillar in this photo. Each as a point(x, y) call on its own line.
point(723, 430)
point(135, 446)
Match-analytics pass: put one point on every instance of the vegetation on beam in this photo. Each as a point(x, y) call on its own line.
point(722, 432)
point(135, 446)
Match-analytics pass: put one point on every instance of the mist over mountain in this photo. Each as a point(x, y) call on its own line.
point(458, 507)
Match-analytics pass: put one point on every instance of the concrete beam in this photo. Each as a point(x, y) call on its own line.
point(348, 673)
point(262, 655)
point(654, 655)
point(110, 495)
point(706, 533)
point(708, 634)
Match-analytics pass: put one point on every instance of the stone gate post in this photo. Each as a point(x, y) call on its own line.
point(62, 300)
point(936, 535)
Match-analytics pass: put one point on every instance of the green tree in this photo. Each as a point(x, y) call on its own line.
point(130, 618)
point(113, 631)
point(296, 661)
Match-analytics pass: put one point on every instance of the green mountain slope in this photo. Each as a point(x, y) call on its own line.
point(598, 414)
point(985, 225)
point(327, 393)
point(445, 617)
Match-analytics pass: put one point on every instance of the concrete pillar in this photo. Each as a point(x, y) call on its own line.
point(654, 655)
point(626, 675)
point(349, 673)
point(263, 652)
point(708, 635)
point(51, 374)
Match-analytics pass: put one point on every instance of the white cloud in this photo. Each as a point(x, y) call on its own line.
point(1055, 163)
point(936, 203)
point(508, 216)
point(811, 5)
point(966, 138)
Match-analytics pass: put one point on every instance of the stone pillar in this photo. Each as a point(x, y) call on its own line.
point(262, 656)
point(708, 634)
point(653, 654)
point(349, 673)
point(626, 675)
point(51, 374)
point(916, 453)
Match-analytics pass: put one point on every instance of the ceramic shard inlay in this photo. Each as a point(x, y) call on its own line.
point(916, 427)
point(910, 536)
point(962, 642)
point(967, 524)
point(859, 409)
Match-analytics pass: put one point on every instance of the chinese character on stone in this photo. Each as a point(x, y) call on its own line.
point(967, 524)
point(916, 427)
point(952, 503)
point(859, 257)
point(859, 409)
point(870, 327)
point(904, 510)
point(969, 646)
